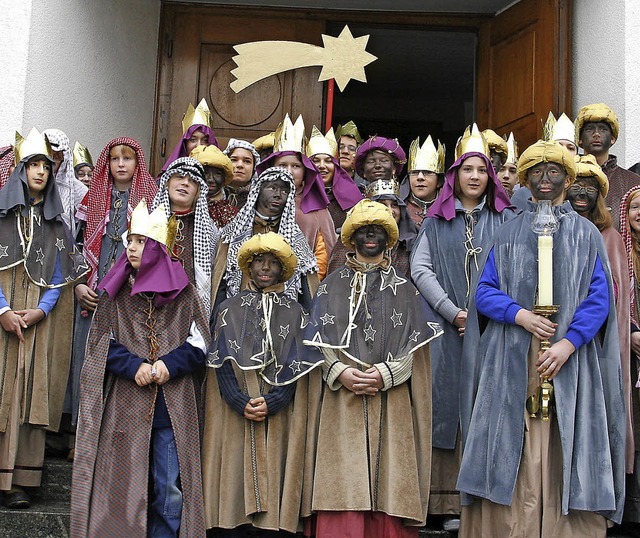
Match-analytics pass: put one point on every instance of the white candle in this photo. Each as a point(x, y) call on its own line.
point(545, 270)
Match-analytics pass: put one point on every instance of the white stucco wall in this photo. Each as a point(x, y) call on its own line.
point(90, 70)
point(606, 66)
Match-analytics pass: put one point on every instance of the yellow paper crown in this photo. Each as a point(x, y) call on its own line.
point(290, 136)
point(197, 116)
point(381, 187)
point(349, 129)
point(322, 144)
point(472, 141)
point(81, 155)
point(426, 157)
point(560, 129)
point(512, 146)
point(36, 143)
point(155, 225)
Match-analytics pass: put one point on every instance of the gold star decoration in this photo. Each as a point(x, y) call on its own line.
point(342, 58)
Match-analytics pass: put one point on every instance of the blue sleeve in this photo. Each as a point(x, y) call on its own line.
point(3, 300)
point(183, 360)
point(593, 311)
point(491, 301)
point(50, 296)
point(121, 362)
point(229, 388)
point(279, 397)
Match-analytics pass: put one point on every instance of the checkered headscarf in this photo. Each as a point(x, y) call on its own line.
point(6, 160)
point(237, 143)
point(96, 204)
point(241, 228)
point(205, 232)
point(632, 245)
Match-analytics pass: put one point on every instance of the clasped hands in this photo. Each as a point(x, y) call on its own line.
point(15, 321)
point(256, 409)
point(368, 382)
point(550, 361)
point(152, 373)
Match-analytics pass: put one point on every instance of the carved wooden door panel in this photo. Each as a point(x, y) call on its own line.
point(196, 62)
point(524, 68)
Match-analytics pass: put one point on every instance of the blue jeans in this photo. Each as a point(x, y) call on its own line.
point(165, 510)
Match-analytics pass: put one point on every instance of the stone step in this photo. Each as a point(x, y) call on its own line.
point(45, 519)
point(56, 479)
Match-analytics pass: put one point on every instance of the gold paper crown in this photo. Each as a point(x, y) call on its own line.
point(36, 143)
point(197, 116)
point(322, 144)
point(560, 129)
point(155, 225)
point(349, 129)
point(381, 187)
point(472, 141)
point(81, 155)
point(290, 136)
point(426, 157)
point(512, 146)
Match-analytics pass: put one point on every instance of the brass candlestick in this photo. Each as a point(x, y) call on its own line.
point(541, 403)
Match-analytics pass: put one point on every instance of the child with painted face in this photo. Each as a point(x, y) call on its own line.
point(147, 346)
point(257, 433)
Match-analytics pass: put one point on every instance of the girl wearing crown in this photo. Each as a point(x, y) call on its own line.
point(140, 390)
point(445, 262)
point(38, 259)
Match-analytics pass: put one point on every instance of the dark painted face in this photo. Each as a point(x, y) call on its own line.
point(497, 160)
point(215, 178)
point(272, 198)
point(547, 182)
point(265, 270)
point(596, 137)
point(378, 165)
point(583, 194)
point(370, 240)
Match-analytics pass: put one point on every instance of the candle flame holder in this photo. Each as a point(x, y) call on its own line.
point(541, 404)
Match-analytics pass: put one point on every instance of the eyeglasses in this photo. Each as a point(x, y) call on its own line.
point(425, 173)
point(349, 147)
point(577, 190)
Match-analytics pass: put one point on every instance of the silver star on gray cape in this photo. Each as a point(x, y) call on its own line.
point(396, 318)
point(414, 336)
point(212, 357)
point(327, 319)
point(295, 366)
point(60, 244)
point(3, 251)
point(369, 333)
point(247, 300)
point(284, 331)
point(233, 345)
point(40, 256)
point(322, 290)
point(345, 273)
point(79, 263)
point(284, 301)
point(390, 279)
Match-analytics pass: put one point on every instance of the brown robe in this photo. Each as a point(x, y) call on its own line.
point(109, 495)
point(620, 181)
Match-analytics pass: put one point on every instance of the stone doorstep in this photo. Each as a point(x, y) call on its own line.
point(43, 520)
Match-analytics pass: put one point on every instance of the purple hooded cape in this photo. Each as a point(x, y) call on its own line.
point(313, 197)
point(181, 151)
point(158, 273)
point(445, 205)
point(344, 189)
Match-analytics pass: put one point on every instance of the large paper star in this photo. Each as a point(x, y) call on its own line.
point(342, 58)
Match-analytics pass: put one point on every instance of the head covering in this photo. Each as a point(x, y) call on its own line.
point(313, 197)
point(212, 156)
point(388, 190)
point(95, 206)
point(271, 243)
point(587, 166)
point(71, 189)
point(181, 149)
point(158, 273)
point(597, 112)
point(496, 142)
point(6, 161)
point(241, 228)
point(235, 143)
point(627, 236)
point(264, 142)
point(545, 152)
point(560, 129)
point(349, 129)
point(445, 205)
point(205, 232)
point(386, 145)
point(368, 212)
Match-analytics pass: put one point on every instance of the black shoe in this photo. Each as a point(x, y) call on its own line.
point(17, 499)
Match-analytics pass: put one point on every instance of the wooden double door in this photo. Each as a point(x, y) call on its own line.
point(523, 67)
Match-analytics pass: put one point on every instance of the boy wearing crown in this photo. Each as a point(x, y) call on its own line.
point(138, 442)
point(38, 258)
point(255, 434)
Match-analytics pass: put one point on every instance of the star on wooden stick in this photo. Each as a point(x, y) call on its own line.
point(342, 58)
